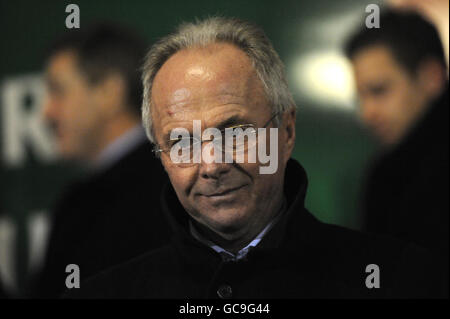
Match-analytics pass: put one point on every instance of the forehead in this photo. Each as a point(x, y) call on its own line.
point(218, 68)
point(205, 84)
point(63, 66)
point(375, 60)
point(62, 60)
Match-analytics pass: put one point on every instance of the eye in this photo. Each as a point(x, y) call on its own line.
point(242, 135)
point(171, 143)
point(184, 142)
point(378, 90)
point(245, 130)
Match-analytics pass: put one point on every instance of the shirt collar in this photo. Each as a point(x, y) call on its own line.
point(119, 148)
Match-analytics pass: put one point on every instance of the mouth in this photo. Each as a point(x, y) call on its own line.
point(55, 129)
point(379, 130)
point(225, 193)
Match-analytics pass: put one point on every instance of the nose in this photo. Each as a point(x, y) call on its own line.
point(48, 110)
point(369, 111)
point(209, 169)
point(213, 170)
point(51, 110)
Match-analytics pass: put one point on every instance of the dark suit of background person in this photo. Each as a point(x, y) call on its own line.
point(113, 214)
point(408, 185)
point(290, 254)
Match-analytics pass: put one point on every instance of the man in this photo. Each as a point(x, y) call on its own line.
point(402, 85)
point(240, 233)
point(93, 104)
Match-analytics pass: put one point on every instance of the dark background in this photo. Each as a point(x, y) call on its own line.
point(331, 144)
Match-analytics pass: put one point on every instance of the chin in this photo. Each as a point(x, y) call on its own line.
point(226, 220)
point(65, 153)
point(389, 141)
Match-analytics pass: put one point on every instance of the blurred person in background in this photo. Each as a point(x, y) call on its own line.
point(93, 105)
point(401, 80)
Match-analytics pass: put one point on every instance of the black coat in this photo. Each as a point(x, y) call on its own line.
point(407, 192)
point(107, 219)
point(2, 292)
point(300, 257)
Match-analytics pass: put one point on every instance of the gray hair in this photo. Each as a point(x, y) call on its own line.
point(244, 35)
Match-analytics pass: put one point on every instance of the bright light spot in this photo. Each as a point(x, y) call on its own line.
point(326, 77)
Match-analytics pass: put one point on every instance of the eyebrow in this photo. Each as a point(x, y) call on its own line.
point(231, 121)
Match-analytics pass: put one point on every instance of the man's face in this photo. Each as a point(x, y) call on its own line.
point(216, 84)
point(391, 99)
point(71, 107)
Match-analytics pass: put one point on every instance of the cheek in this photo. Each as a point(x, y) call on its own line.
point(284, 153)
point(80, 123)
point(262, 183)
point(74, 107)
point(84, 114)
point(251, 169)
point(181, 179)
point(265, 190)
point(70, 120)
point(402, 102)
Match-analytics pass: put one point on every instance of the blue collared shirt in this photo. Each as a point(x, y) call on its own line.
point(119, 148)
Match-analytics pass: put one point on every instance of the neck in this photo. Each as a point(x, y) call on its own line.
point(235, 241)
point(111, 131)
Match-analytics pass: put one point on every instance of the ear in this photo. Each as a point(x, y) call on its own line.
point(432, 77)
point(288, 126)
point(110, 95)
